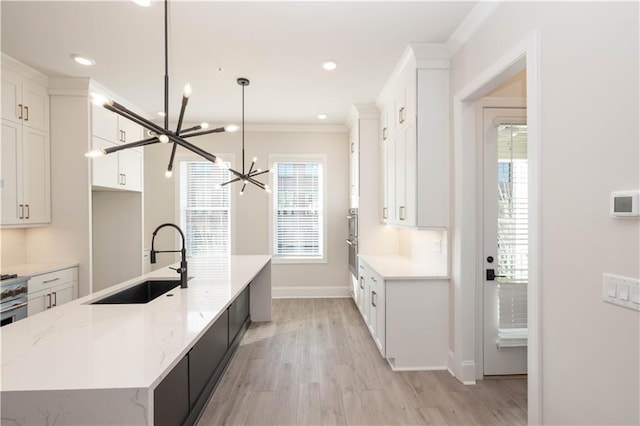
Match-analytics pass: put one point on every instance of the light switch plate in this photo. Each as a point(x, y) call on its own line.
point(621, 291)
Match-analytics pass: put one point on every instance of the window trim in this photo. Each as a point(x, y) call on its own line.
point(317, 158)
point(188, 156)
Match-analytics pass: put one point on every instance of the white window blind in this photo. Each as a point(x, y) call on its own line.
point(298, 210)
point(205, 208)
point(513, 234)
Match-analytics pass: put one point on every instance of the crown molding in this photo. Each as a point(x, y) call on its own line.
point(12, 64)
point(470, 24)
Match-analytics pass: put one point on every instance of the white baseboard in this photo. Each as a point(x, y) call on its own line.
point(309, 292)
point(467, 369)
point(468, 373)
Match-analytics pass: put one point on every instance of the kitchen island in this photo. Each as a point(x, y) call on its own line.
point(106, 364)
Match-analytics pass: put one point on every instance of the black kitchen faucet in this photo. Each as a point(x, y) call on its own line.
point(183, 263)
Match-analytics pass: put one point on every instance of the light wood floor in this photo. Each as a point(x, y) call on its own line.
point(316, 364)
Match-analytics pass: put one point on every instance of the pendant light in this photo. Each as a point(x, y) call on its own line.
point(247, 176)
point(160, 134)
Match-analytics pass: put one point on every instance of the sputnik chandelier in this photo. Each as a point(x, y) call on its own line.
point(249, 176)
point(179, 137)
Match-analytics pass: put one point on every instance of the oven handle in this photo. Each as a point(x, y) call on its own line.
point(351, 217)
point(351, 243)
point(14, 307)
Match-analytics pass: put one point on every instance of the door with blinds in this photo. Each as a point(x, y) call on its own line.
point(506, 247)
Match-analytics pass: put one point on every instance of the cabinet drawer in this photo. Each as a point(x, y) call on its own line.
point(45, 281)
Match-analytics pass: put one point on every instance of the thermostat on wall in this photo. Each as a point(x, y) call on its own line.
point(624, 204)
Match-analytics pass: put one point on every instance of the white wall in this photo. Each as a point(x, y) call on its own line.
point(589, 132)
point(117, 237)
point(13, 248)
point(426, 247)
point(251, 216)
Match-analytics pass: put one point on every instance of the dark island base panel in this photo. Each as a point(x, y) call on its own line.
point(183, 394)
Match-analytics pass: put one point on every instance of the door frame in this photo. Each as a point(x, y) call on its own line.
point(465, 238)
point(480, 105)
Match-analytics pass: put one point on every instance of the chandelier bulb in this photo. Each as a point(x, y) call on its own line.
point(231, 128)
point(163, 138)
point(187, 90)
point(255, 159)
point(204, 125)
point(258, 170)
point(217, 186)
point(241, 192)
point(95, 153)
point(100, 100)
point(168, 174)
point(268, 190)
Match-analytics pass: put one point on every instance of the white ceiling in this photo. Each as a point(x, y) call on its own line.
point(279, 46)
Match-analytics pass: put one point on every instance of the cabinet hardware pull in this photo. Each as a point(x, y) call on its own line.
point(14, 307)
point(124, 179)
point(401, 118)
point(362, 283)
point(50, 281)
point(21, 211)
point(26, 113)
point(28, 211)
point(385, 212)
point(401, 213)
point(352, 151)
point(55, 299)
point(374, 302)
point(21, 110)
point(49, 304)
point(384, 134)
point(124, 136)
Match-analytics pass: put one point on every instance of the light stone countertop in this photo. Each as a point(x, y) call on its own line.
point(82, 346)
point(401, 268)
point(33, 269)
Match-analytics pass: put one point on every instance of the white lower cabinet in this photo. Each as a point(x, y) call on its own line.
point(407, 317)
point(52, 289)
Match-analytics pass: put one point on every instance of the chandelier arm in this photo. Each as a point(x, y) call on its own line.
point(173, 155)
point(253, 163)
point(190, 129)
point(256, 182)
point(127, 113)
point(259, 173)
point(148, 141)
point(231, 181)
point(183, 107)
point(244, 185)
point(204, 132)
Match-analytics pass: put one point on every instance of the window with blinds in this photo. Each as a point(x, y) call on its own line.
point(298, 210)
point(513, 234)
point(205, 208)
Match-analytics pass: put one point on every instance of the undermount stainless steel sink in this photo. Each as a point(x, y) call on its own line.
point(144, 292)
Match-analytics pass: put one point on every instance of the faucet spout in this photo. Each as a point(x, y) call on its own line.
point(183, 263)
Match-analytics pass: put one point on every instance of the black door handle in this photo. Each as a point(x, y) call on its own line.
point(491, 275)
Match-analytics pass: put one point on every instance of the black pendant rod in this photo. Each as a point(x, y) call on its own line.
point(166, 65)
point(242, 129)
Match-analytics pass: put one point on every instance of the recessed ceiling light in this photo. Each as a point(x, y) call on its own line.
point(329, 65)
point(143, 3)
point(322, 116)
point(83, 60)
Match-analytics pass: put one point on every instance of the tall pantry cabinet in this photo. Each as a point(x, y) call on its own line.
point(25, 180)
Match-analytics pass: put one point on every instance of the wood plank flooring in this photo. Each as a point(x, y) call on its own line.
point(316, 364)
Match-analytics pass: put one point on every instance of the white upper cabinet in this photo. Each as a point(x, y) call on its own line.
point(24, 101)
point(415, 146)
point(121, 170)
point(25, 181)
